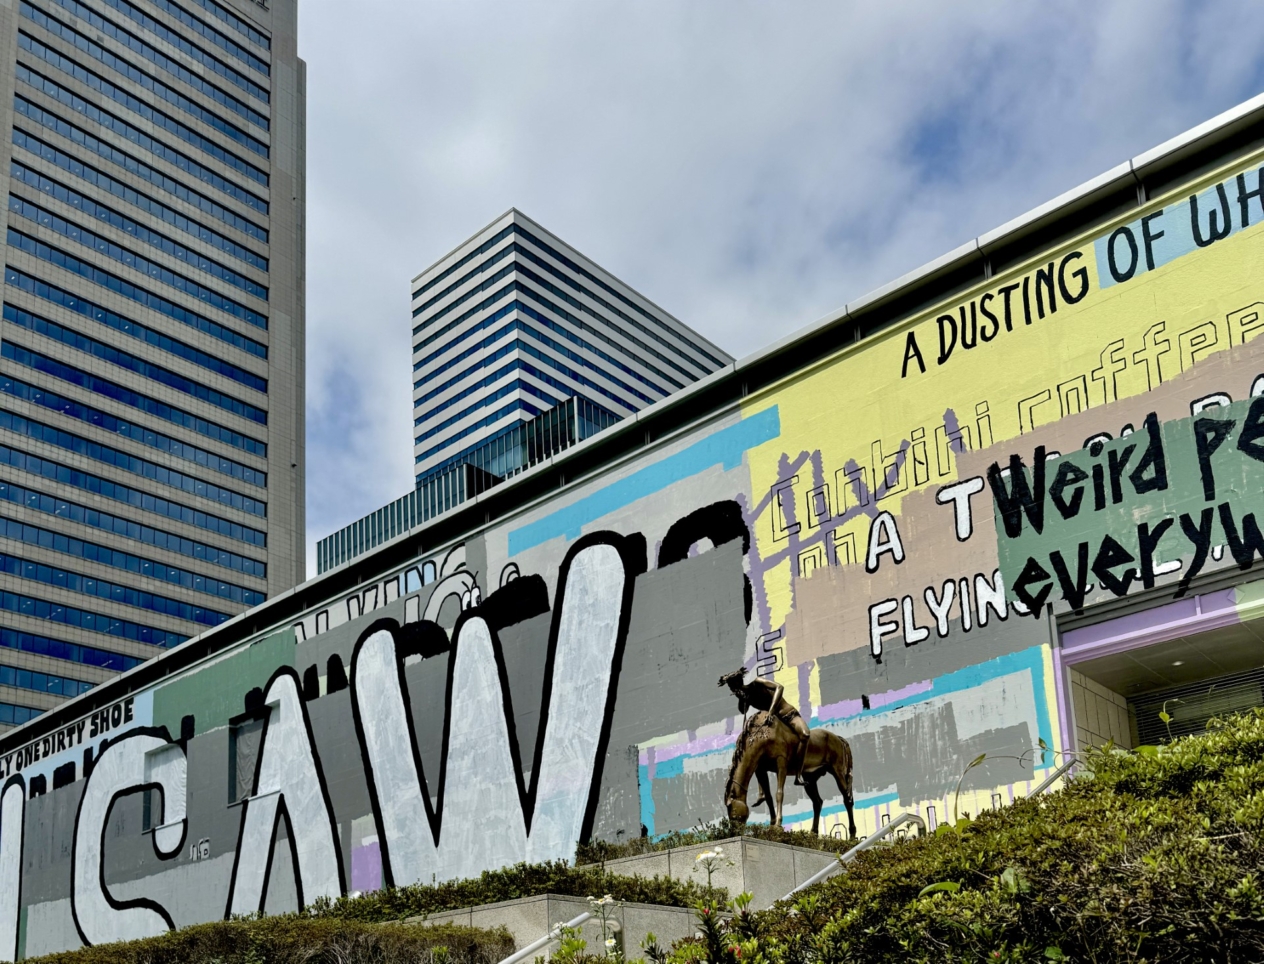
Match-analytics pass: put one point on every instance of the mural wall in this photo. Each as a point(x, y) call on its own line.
point(889, 536)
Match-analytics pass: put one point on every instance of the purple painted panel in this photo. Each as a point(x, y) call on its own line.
point(366, 868)
point(1198, 614)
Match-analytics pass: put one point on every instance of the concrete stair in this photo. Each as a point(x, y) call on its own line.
point(767, 870)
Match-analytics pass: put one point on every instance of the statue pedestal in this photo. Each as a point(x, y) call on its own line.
point(767, 870)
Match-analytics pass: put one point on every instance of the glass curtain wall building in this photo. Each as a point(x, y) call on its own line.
point(521, 347)
point(152, 343)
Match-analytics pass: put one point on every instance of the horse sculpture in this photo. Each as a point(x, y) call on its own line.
point(766, 745)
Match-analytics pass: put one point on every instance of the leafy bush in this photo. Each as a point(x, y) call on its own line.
point(294, 939)
point(1157, 858)
point(600, 851)
point(520, 880)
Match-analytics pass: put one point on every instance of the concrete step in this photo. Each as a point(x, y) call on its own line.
point(767, 870)
point(529, 918)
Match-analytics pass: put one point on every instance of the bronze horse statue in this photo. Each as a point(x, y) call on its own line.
point(766, 745)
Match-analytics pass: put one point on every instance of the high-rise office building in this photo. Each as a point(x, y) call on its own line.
point(521, 347)
point(151, 352)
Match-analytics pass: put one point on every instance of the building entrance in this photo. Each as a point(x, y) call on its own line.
point(1192, 659)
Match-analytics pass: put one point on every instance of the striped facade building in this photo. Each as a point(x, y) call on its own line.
point(152, 345)
point(522, 347)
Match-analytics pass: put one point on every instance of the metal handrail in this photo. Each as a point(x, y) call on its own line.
point(546, 940)
point(832, 868)
point(1048, 781)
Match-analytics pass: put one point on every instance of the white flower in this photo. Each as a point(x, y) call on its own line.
point(610, 942)
point(706, 855)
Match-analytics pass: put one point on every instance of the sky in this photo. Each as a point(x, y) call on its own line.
point(749, 166)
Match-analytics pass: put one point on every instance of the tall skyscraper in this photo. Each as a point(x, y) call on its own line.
point(521, 347)
point(152, 348)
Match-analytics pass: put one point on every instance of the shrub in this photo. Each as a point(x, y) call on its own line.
point(1158, 857)
point(295, 939)
point(520, 880)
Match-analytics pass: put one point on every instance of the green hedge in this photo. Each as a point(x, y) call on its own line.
point(1157, 858)
point(294, 939)
point(510, 883)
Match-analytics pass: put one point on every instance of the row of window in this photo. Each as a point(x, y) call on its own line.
point(68, 195)
point(20, 425)
point(29, 679)
point(132, 363)
point(139, 138)
point(130, 430)
point(85, 619)
point(516, 385)
point(125, 396)
point(70, 652)
point(155, 56)
point(123, 595)
point(204, 29)
point(127, 562)
point(189, 49)
point(519, 365)
point(515, 345)
point(483, 248)
point(82, 306)
point(17, 715)
point(142, 79)
point(133, 166)
point(485, 362)
point(143, 111)
point(117, 492)
point(583, 273)
point(596, 330)
point(126, 326)
point(516, 406)
point(105, 279)
point(115, 252)
point(122, 222)
point(96, 519)
point(243, 27)
point(519, 287)
point(519, 325)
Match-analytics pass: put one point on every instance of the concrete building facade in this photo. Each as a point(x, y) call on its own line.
point(152, 345)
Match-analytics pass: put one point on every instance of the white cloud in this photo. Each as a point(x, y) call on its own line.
point(748, 166)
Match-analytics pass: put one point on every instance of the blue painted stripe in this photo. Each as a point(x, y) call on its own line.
point(725, 448)
point(1172, 231)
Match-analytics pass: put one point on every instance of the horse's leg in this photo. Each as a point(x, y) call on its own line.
point(842, 776)
point(814, 794)
point(782, 768)
point(765, 794)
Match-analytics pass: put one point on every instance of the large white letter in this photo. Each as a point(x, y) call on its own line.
point(142, 759)
point(289, 783)
point(482, 821)
point(12, 811)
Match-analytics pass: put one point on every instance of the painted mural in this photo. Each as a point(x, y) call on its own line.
point(886, 539)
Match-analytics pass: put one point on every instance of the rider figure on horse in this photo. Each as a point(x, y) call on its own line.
point(763, 695)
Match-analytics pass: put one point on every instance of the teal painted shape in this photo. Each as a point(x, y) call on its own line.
point(724, 448)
